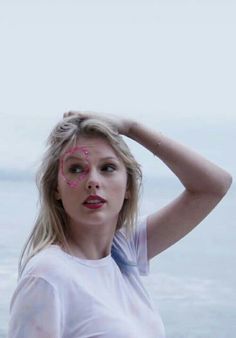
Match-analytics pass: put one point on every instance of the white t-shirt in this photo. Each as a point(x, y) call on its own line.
point(62, 296)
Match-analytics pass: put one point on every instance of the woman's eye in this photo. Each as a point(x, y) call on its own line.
point(76, 169)
point(109, 168)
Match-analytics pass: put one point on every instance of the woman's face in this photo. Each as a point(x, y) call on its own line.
point(92, 183)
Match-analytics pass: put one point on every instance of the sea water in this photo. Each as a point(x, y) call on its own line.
point(192, 283)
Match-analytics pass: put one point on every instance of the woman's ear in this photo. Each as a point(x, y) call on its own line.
point(57, 195)
point(127, 195)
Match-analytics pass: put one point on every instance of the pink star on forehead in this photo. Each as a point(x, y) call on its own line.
point(70, 174)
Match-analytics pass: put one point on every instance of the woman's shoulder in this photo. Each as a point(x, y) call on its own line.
point(124, 235)
point(48, 264)
point(128, 240)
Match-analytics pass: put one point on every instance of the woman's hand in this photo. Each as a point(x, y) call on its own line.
point(122, 125)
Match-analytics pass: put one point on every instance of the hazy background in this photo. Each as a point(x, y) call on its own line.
point(170, 64)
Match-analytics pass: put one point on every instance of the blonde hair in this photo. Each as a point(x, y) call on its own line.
point(51, 224)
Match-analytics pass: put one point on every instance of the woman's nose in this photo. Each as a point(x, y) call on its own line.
point(92, 180)
point(92, 185)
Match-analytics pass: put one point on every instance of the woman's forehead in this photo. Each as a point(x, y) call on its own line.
point(92, 146)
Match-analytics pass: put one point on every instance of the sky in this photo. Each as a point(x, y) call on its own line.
point(169, 64)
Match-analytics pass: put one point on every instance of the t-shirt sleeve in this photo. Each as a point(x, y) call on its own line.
point(34, 310)
point(134, 247)
point(139, 243)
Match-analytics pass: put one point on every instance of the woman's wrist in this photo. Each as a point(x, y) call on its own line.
point(129, 129)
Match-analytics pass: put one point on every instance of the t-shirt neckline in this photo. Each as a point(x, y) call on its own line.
point(88, 262)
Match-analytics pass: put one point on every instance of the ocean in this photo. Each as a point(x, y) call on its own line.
point(193, 283)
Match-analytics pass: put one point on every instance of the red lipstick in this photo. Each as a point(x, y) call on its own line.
point(94, 202)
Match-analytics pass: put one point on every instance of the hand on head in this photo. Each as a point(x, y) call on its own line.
point(121, 124)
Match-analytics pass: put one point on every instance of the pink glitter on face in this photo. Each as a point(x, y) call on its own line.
point(74, 165)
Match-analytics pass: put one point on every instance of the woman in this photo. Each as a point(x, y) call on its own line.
point(80, 269)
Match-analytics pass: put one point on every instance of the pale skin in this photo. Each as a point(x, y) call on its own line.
point(205, 184)
point(91, 230)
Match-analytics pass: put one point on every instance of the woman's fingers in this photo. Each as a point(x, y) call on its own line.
point(121, 125)
point(69, 113)
point(81, 114)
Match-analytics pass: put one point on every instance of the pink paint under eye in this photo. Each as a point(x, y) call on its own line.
point(74, 165)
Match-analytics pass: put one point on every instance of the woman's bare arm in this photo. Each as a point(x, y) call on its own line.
point(205, 185)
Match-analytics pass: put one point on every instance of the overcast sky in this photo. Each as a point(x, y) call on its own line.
point(170, 64)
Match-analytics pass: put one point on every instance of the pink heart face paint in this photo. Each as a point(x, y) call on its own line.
point(74, 165)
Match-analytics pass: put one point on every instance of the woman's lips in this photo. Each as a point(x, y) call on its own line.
point(94, 202)
point(94, 205)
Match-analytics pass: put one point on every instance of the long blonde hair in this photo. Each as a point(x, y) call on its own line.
point(51, 224)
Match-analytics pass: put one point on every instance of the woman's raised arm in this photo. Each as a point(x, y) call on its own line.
point(205, 185)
